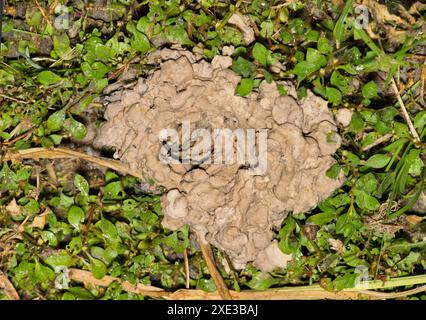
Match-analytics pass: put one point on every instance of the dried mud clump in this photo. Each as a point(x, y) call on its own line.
point(229, 207)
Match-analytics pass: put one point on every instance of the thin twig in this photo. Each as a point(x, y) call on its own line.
point(43, 12)
point(378, 142)
point(185, 258)
point(13, 99)
point(89, 220)
point(24, 136)
point(422, 85)
point(114, 74)
point(221, 287)
point(67, 55)
point(405, 112)
point(53, 7)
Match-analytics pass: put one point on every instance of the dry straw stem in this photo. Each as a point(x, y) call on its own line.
point(8, 288)
point(218, 280)
point(405, 112)
point(187, 278)
point(314, 292)
point(13, 99)
point(58, 153)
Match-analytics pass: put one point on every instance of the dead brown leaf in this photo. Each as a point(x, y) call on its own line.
point(395, 27)
point(336, 245)
point(241, 23)
point(413, 219)
point(8, 287)
point(417, 7)
point(379, 223)
point(40, 220)
point(13, 209)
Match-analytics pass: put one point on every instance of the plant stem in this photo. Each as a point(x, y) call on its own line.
point(405, 112)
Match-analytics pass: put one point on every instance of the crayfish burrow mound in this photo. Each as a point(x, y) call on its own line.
point(234, 207)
